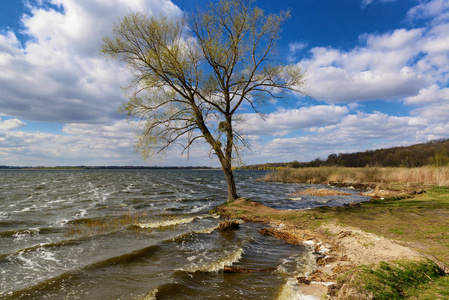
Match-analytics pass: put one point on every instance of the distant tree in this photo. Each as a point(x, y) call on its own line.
point(331, 159)
point(294, 164)
point(192, 75)
point(441, 158)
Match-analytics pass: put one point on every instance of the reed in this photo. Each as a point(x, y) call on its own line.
point(228, 225)
point(427, 175)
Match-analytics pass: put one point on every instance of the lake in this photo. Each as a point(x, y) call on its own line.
point(143, 234)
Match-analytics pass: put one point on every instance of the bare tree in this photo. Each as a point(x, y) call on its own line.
point(192, 75)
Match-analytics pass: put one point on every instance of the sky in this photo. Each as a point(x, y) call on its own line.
point(377, 77)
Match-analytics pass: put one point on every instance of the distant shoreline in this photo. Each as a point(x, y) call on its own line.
point(108, 168)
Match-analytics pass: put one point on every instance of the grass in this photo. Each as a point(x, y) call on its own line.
point(436, 289)
point(420, 222)
point(396, 280)
point(228, 225)
point(428, 175)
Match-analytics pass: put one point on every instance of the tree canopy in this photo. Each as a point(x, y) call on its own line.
point(192, 75)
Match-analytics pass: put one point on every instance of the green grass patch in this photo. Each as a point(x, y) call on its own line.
point(396, 280)
point(421, 221)
point(432, 290)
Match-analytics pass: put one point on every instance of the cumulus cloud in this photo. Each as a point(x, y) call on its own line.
point(355, 132)
point(429, 95)
point(86, 144)
point(284, 122)
point(436, 9)
point(379, 70)
point(11, 124)
point(58, 75)
point(408, 65)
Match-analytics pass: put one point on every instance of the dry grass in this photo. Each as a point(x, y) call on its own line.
point(320, 192)
point(429, 175)
point(228, 225)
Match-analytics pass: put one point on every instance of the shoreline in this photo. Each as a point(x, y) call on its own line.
point(339, 249)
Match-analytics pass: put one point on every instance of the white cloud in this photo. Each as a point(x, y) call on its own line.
point(86, 144)
point(11, 124)
point(284, 122)
point(357, 132)
point(434, 113)
point(429, 95)
point(380, 70)
point(58, 75)
point(368, 2)
point(436, 9)
point(296, 47)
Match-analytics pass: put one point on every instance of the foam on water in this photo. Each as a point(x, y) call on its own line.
point(291, 291)
point(20, 235)
point(166, 223)
point(150, 296)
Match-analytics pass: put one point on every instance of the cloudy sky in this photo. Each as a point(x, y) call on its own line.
point(377, 75)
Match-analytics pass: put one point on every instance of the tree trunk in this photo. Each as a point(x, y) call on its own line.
point(232, 191)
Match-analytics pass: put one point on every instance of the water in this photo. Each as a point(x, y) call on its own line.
point(141, 234)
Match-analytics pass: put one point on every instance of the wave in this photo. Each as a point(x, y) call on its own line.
point(291, 291)
point(150, 296)
point(300, 264)
point(80, 271)
point(218, 265)
point(22, 233)
point(173, 222)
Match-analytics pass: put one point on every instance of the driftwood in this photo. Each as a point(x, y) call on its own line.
point(246, 270)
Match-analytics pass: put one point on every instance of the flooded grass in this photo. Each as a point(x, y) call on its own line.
point(228, 225)
point(131, 220)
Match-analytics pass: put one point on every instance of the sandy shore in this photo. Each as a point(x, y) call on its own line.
point(338, 249)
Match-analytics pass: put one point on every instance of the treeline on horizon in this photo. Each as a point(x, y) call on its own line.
point(435, 152)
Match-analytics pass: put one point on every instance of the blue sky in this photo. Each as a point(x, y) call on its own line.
point(377, 75)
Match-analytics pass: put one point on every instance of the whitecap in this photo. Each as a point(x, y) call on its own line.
point(166, 223)
point(291, 291)
point(215, 266)
point(23, 234)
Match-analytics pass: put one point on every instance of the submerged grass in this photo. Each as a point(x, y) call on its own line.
point(113, 223)
point(228, 225)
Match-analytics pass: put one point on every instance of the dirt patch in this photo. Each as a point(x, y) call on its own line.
point(362, 247)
